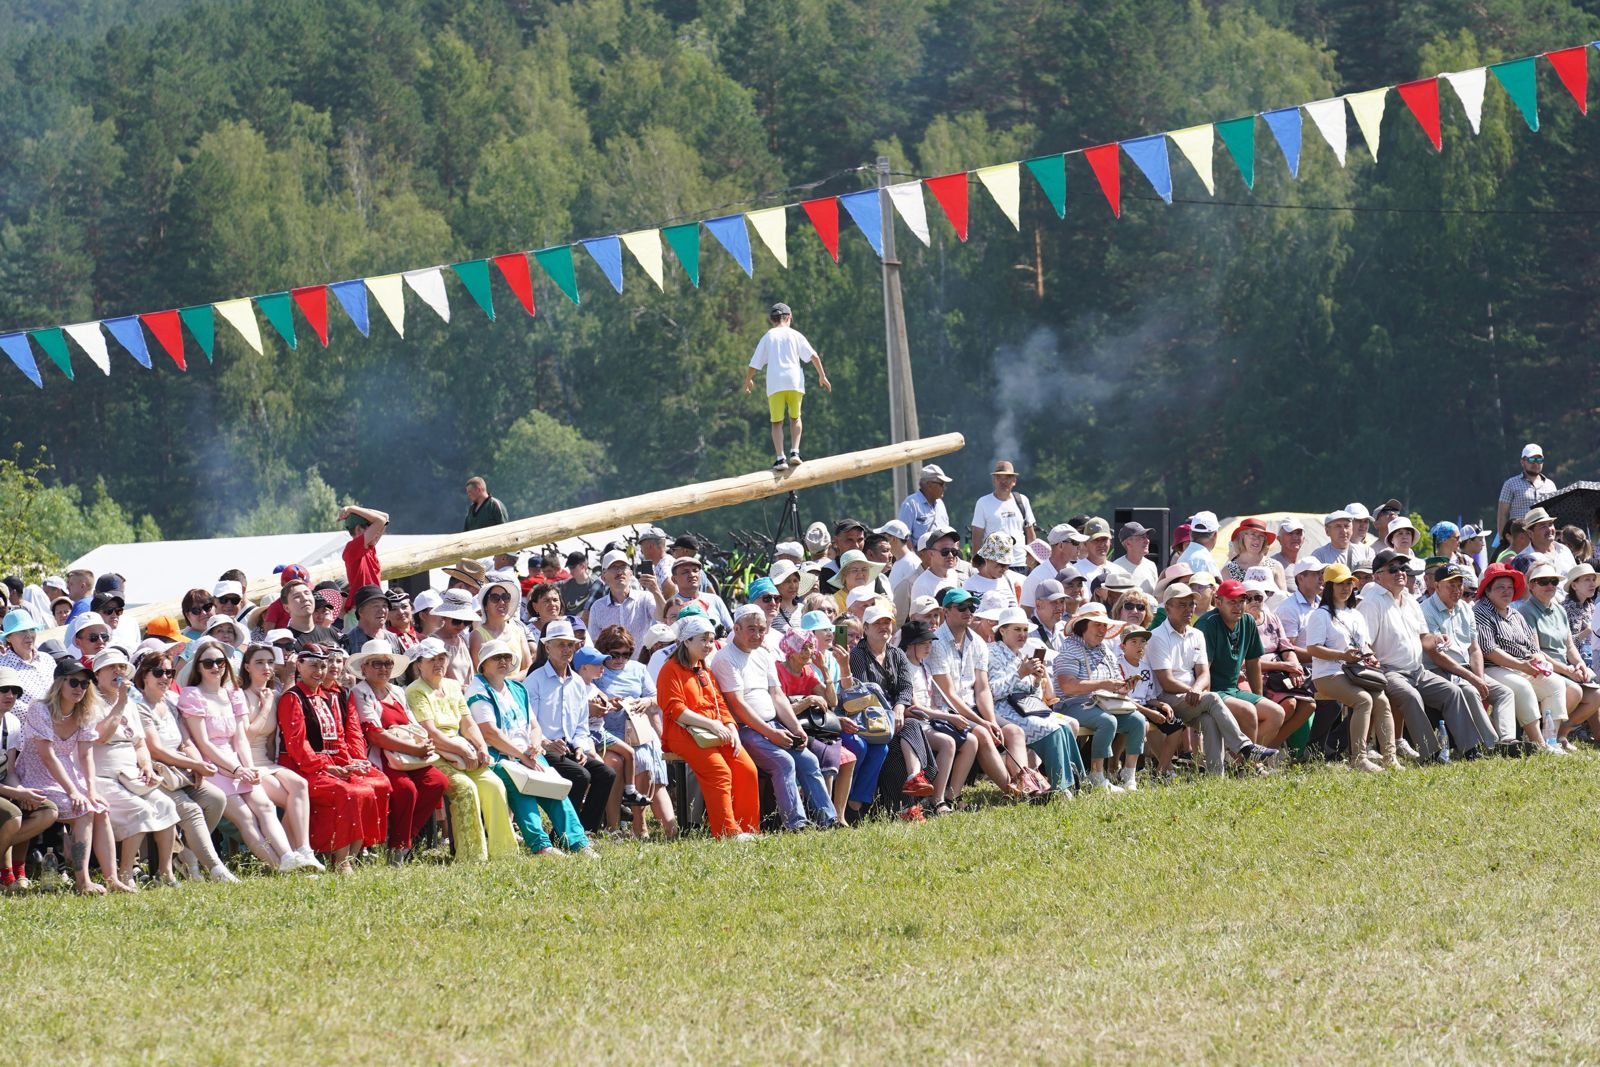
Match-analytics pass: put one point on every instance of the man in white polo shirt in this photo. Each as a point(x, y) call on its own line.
point(1096, 550)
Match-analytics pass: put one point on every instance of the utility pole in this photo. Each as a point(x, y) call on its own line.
point(902, 393)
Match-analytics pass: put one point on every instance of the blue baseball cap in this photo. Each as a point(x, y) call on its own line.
point(954, 596)
point(761, 587)
point(815, 620)
point(588, 656)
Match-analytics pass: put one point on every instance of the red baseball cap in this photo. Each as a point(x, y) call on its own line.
point(293, 573)
point(1231, 589)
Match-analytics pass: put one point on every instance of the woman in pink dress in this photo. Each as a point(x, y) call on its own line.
point(57, 759)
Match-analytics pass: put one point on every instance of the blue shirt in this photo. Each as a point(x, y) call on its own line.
point(631, 682)
point(920, 515)
point(560, 706)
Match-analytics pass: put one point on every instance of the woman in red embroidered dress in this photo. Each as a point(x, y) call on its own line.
point(323, 742)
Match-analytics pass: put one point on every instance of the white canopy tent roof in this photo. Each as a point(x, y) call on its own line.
point(165, 570)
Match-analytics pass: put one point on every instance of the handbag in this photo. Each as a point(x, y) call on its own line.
point(136, 785)
point(172, 778)
point(1363, 677)
point(411, 734)
point(1028, 704)
point(541, 781)
point(1115, 703)
point(703, 736)
point(637, 729)
point(1028, 780)
point(820, 724)
point(865, 702)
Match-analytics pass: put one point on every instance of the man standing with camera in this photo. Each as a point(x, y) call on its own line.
point(784, 352)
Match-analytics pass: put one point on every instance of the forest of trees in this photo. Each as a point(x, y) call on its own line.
point(1259, 351)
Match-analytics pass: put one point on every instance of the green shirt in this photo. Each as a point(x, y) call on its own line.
point(1549, 625)
point(1228, 649)
point(489, 513)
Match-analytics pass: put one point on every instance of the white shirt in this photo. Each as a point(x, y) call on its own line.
point(1198, 558)
point(1294, 613)
point(929, 584)
point(1146, 690)
point(903, 568)
point(1030, 585)
point(1392, 627)
point(1144, 573)
point(978, 585)
point(783, 350)
point(1169, 650)
point(1089, 569)
point(1348, 631)
point(1351, 556)
point(993, 515)
point(750, 676)
point(962, 666)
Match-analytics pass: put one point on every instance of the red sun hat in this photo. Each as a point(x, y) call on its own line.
point(1230, 589)
point(1519, 584)
point(1259, 527)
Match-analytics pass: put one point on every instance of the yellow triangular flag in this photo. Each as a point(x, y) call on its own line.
point(772, 224)
point(239, 314)
point(1004, 184)
point(646, 248)
point(1368, 108)
point(389, 292)
point(1196, 143)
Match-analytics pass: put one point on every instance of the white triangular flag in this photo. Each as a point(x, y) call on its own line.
point(907, 200)
point(772, 225)
point(391, 297)
point(242, 317)
point(93, 343)
point(1368, 108)
point(1196, 143)
point(1468, 85)
point(646, 248)
point(1329, 117)
point(1005, 185)
point(429, 284)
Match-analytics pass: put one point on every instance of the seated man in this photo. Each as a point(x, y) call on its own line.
point(1459, 657)
point(1233, 647)
point(1049, 596)
point(1064, 541)
point(940, 548)
point(1177, 656)
point(1340, 547)
point(994, 570)
point(1399, 638)
point(1203, 527)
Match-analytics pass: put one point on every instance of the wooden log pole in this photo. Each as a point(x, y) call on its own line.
point(608, 515)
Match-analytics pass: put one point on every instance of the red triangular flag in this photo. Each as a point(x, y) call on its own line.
point(951, 192)
point(824, 215)
point(1422, 97)
point(1108, 171)
point(1572, 67)
point(313, 303)
point(168, 329)
point(514, 269)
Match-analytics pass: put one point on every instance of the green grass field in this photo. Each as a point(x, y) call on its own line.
point(1313, 916)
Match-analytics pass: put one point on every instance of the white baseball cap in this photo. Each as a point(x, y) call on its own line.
point(1065, 531)
point(877, 613)
point(895, 528)
point(859, 595)
point(1290, 524)
point(932, 472)
point(615, 556)
point(1358, 510)
point(1530, 450)
point(226, 588)
point(788, 550)
point(1336, 516)
point(1204, 522)
point(427, 600)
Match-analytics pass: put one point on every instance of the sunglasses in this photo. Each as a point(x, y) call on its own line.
point(207, 610)
point(768, 598)
point(1396, 570)
point(77, 682)
point(463, 623)
point(230, 600)
point(98, 639)
point(1535, 459)
point(10, 690)
point(1255, 598)
point(163, 672)
point(212, 664)
point(499, 598)
point(965, 605)
point(1133, 607)
point(381, 664)
point(949, 552)
point(1547, 581)
point(110, 612)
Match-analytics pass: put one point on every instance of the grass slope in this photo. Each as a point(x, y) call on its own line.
point(1317, 916)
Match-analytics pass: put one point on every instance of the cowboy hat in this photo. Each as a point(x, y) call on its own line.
point(1096, 612)
point(850, 559)
point(469, 571)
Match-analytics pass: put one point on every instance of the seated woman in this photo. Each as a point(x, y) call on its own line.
point(124, 777)
point(876, 661)
point(690, 700)
point(855, 571)
point(803, 677)
point(36, 668)
point(1020, 686)
point(832, 662)
point(625, 679)
point(213, 708)
point(57, 761)
point(498, 601)
point(1511, 657)
point(1548, 621)
point(200, 804)
point(324, 742)
point(1284, 678)
point(499, 706)
point(1248, 549)
point(955, 744)
point(1336, 635)
point(1089, 663)
point(24, 813)
point(480, 819)
point(394, 737)
point(286, 789)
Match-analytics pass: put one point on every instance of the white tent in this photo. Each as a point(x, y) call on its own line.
point(165, 570)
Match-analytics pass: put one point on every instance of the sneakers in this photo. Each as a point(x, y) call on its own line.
point(1365, 766)
point(219, 873)
point(737, 837)
point(308, 858)
point(1128, 780)
point(780, 464)
point(1260, 754)
point(290, 863)
point(1098, 782)
point(913, 814)
point(1403, 747)
point(917, 786)
point(794, 457)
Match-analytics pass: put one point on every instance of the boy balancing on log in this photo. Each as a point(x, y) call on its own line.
point(784, 351)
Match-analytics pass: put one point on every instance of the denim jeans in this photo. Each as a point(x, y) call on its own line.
point(869, 765)
point(791, 771)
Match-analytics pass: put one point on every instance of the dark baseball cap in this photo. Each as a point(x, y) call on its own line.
point(1448, 572)
point(780, 308)
point(1387, 557)
point(848, 524)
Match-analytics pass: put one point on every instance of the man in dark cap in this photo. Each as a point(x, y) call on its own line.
point(372, 619)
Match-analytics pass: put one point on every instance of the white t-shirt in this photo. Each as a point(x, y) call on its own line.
point(1349, 630)
point(1144, 573)
point(903, 568)
point(782, 351)
point(750, 676)
point(978, 585)
point(1146, 690)
point(1169, 650)
point(1030, 584)
point(11, 735)
point(929, 584)
point(1089, 569)
point(993, 515)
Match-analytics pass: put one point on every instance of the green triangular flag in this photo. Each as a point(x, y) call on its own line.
point(1521, 82)
point(54, 343)
point(277, 308)
point(1240, 137)
point(202, 326)
point(1051, 174)
point(557, 262)
point(474, 274)
point(685, 241)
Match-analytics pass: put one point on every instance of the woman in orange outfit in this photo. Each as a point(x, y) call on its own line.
point(688, 696)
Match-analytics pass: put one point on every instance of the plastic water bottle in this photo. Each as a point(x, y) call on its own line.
point(1444, 739)
point(1547, 727)
point(50, 867)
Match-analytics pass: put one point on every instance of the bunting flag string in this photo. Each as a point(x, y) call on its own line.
point(864, 207)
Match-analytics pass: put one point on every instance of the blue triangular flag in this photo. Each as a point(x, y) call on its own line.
point(1285, 126)
point(730, 232)
point(353, 298)
point(867, 213)
point(1149, 154)
point(130, 336)
point(607, 252)
point(16, 346)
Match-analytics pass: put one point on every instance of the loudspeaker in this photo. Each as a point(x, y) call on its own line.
point(1160, 522)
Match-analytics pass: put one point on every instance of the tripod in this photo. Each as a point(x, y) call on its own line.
point(790, 516)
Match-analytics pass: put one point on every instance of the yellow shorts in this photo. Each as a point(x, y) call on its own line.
point(787, 399)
